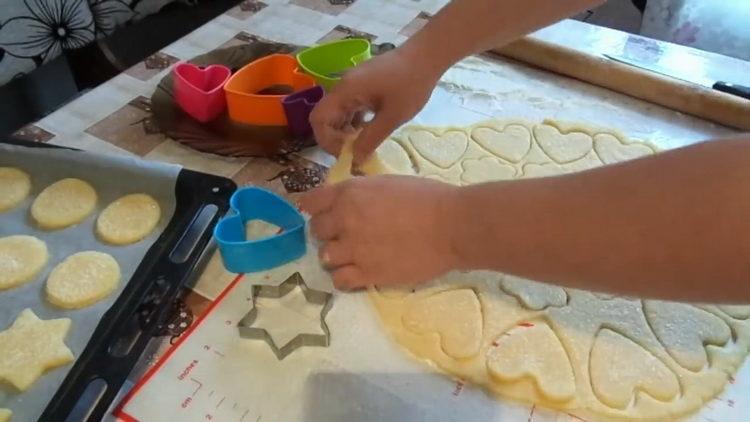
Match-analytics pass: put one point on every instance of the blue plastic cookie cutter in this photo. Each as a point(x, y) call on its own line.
point(241, 255)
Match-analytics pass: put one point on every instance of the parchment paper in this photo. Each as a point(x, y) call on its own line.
point(112, 177)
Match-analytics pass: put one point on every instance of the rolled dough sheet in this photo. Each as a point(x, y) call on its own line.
point(593, 355)
point(15, 185)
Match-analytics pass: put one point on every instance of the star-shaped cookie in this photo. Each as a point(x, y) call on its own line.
point(5, 415)
point(30, 347)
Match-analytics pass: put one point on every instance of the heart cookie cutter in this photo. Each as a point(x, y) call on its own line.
point(326, 62)
point(199, 91)
point(298, 107)
point(241, 255)
point(244, 91)
point(313, 296)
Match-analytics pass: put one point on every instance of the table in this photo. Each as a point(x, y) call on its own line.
point(115, 117)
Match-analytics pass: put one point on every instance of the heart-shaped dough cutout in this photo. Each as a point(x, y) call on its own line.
point(563, 148)
point(485, 169)
point(533, 294)
point(535, 352)
point(512, 144)
point(686, 346)
point(392, 153)
point(620, 367)
point(736, 311)
point(531, 171)
point(456, 315)
point(612, 150)
point(444, 150)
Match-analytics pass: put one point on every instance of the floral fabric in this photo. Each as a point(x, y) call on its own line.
point(717, 26)
point(34, 32)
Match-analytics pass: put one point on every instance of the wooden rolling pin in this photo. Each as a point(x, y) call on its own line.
point(696, 100)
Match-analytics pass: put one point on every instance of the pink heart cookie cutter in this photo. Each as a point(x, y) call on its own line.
point(200, 91)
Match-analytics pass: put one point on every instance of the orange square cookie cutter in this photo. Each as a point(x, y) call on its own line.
point(246, 103)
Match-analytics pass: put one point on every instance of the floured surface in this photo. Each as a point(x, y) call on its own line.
point(592, 355)
point(365, 376)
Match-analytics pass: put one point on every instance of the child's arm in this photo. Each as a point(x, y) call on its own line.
point(673, 226)
point(396, 85)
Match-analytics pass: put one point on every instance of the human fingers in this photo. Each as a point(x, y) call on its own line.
point(325, 226)
point(348, 277)
point(375, 132)
point(335, 254)
point(319, 199)
point(327, 119)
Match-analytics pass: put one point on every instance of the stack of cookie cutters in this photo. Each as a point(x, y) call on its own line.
point(242, 255)
point(252, 95)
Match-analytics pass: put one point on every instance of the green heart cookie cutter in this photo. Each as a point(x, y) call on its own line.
point(325, 62)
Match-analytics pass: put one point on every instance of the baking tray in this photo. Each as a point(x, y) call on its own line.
point(132, 318)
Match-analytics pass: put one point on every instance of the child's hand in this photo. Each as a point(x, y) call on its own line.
point(394, 86)
point(384, 229)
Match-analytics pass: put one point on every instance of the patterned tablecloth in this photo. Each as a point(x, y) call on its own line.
point(116, 117)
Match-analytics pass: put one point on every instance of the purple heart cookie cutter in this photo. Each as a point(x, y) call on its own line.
point(298, 106)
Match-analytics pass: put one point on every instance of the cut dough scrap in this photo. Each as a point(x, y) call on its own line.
point(532, 294)
point(638, 373)
point(5, 415)
point(342, 169)
point(533, 351)
point(32, 346)
point(512, 143)
point(15, 185)
point(83, 279)
point(687, 347)
point(258, 229)
point(486, 169)
point(63, 203)
point(620, 367)
point(455, 315)
point(128, 219)
point(21, 259)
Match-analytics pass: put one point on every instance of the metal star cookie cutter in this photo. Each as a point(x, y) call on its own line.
point(313, 296)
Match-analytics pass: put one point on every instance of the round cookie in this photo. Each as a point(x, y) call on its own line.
point(15, 186)
point(128, 219)
point(21, 258)
point(63, 203)
point(82, 279)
